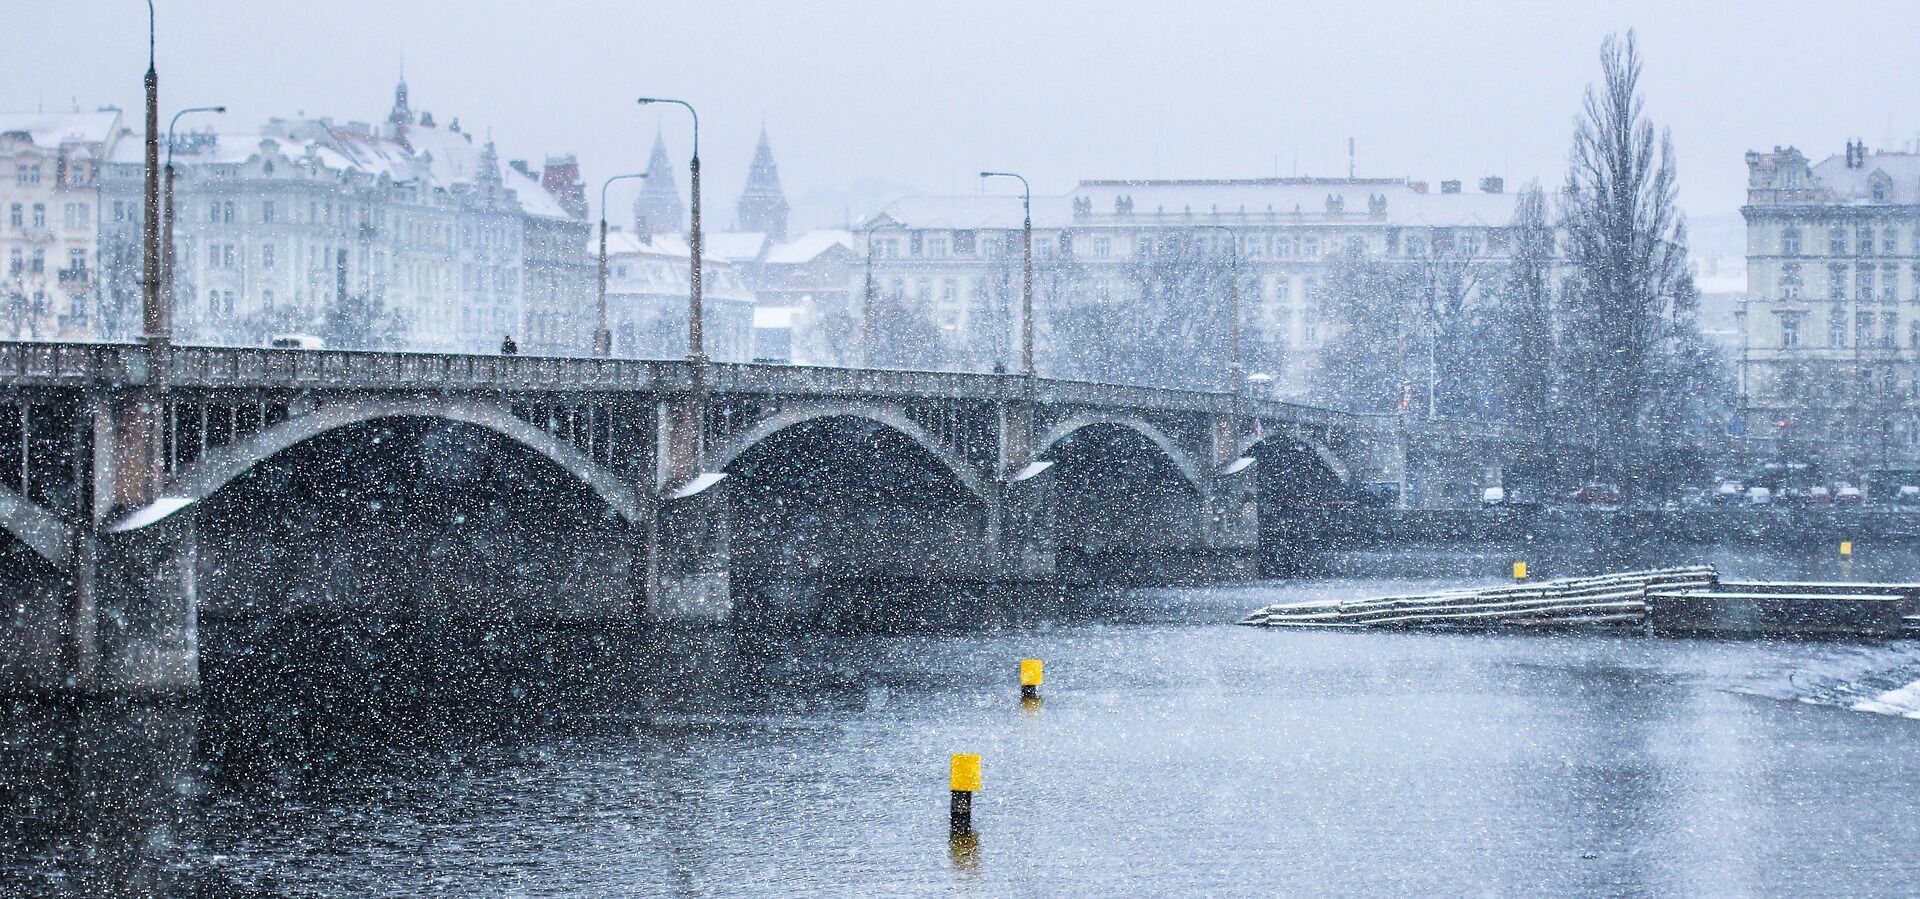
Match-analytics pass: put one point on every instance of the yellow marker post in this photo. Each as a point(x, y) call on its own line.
point(1519, 571)
point(963, 779)
point(1846, 549)
point(1032, 672)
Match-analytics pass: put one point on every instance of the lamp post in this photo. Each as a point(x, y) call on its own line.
point(866, 302)
point(1026, 272)
point(166, 219)
point(603, 338)
point(154, 321)
point(1236, 376)
point(696, 344)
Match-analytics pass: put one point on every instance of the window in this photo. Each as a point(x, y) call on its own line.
point(226, 212)
point(1790, 242)
point(949, 291)
point(924, 290)
point(1310, 247)
point(1837, 241)
point(76, 260)
point(1863, 241)
point(1863, 283)
point(1790, 329)
point(15, 216)
point(213, 302)
point(1863, 329)
point(1889, 321)
point(1836, 327)
point(914, 244)
point(16, 261)
point(39, 215)
point(213, 212)
point(1889, 283)
point(266, 256)
point(266, 296)
point(226, 256)
point(266, 212)
point(1836, 282)
point(1102, 247)
point(1890, 241)
point(1470, 244)
point(26, 174)
point(1913, 337)
point(266, 168)
point(1790, 281)
point(39, 264)
point(937, 247)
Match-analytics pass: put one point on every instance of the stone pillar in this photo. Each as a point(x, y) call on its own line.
point(1021, 540)
point(689, 546)
point(691, 554)
point(145, 590)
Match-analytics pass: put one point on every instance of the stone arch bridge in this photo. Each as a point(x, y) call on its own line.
point(717, 472)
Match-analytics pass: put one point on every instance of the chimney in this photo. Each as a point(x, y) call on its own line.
point(520, 165)
point(1493, 184)
point(1419, 187)
point(1450, 187)
point(561, 177)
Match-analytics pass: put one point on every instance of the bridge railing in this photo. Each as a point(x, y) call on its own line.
point(51, 363)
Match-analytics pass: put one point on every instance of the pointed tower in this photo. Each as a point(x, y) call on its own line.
point(402, 114)
point(658, 208)
point(763, 206)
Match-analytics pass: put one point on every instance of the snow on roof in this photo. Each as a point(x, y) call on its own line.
point(808, 247)
point(987, 211)
point(775, 317)
point(734, 246)
point(54, 129)
point(1307, 197)
point(1900, 171)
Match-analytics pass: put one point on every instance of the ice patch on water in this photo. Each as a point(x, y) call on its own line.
point(1904, 701)
point(1882, 680)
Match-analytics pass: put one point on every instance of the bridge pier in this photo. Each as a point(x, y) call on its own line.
point(691, 554)
point(1021, 541)
point(144, 594)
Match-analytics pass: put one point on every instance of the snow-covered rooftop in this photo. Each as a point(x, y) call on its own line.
point(1900, 171)
point(1174, 202)
point(51, 129)
point(808, 247)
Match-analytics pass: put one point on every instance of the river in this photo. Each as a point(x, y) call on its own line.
point(1173, 754)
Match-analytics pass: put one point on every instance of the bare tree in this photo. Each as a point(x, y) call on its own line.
point(1524, 328)
point(1627, 248)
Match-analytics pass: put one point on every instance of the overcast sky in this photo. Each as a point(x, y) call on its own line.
point(860, 98)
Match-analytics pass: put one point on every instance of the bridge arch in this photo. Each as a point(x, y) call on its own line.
point(1189, 468)
point(893, 420)
point(222, 465)
point(32, 524)
point(1252, 446)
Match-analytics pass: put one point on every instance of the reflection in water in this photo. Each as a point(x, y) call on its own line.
point(1174, 754)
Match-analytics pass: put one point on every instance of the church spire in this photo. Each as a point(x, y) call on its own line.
point(402, 114)
point(658, 208)
point(763, 206)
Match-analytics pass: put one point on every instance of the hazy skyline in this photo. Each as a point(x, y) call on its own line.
point(863, 97)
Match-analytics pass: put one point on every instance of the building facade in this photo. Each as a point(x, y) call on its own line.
point(50, 168)
point(1830, 328)
point(958, 258)
point(404, 234)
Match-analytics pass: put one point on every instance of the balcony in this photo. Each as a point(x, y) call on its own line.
point(76, 278)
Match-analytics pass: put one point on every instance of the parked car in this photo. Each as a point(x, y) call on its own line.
point(1597, 495)
point(297, 342)
point(1845, 495)
point(1909, 495)
point(1759, 496)
point(1728, 493)
point(1819, 496)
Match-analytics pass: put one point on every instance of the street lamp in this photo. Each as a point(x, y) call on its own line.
point(166, 223)
point(866, 303)
point(696, 344)
point(154, 323)
point(1026, 272)
point(603, 338)
point(1235, 375)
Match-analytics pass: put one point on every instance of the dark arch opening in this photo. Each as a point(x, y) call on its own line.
point(1303, 507)
point(843, 500)
point(1124, 511)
